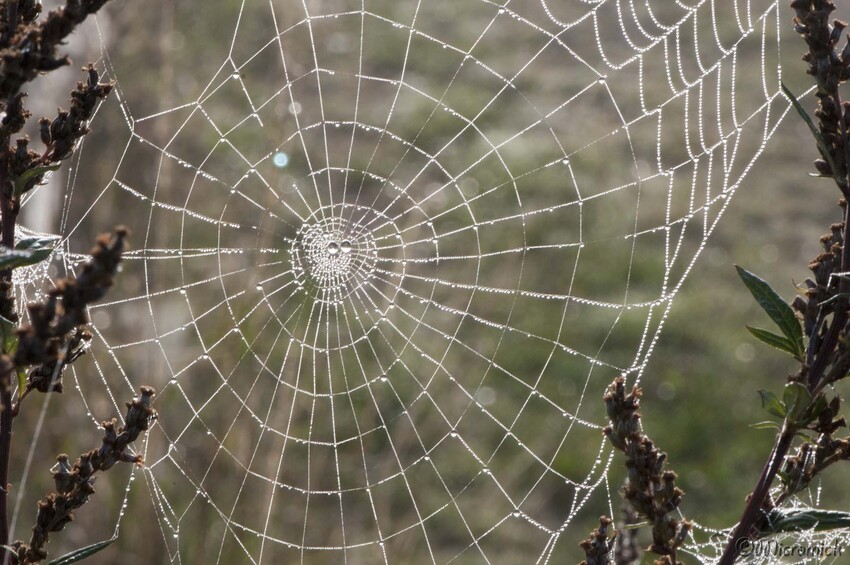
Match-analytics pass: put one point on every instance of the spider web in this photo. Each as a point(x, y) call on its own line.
point(387, 255)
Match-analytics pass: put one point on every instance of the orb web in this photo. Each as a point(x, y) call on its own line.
point(387, 255)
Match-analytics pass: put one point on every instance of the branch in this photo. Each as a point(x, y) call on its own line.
point(74, 485)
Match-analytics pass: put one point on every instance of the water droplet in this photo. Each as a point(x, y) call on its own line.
point(345, 246)
point(235, 75)
point(333, 248)
point(280, 160)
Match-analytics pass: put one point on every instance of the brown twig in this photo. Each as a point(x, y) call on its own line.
point(74, 485)
point(597, 546)
point(650, 489)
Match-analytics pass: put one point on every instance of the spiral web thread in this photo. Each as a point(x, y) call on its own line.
point(388, 254)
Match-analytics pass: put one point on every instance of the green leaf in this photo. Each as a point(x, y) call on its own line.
point(779, 342)
point(811, 519)
point(767, 424)
point(28, 251)
point(779, 311)
point(25, 177)
point(772, 404)
point(14, 258)
point(38, 242)
point(22, 381)
point(9, 335)
point(40, 246)
point(11, 551)
point(82, 553)
point(797, 400)
point(822, 145)
point(814, 410)
point(8, 329)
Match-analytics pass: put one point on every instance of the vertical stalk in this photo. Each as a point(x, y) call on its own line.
point(783, 441)
point(754, 503)
point(818, 360)
point(7, 228)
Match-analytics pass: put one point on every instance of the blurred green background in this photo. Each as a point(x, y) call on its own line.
point(700, 383)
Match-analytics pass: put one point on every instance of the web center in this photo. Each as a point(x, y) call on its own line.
point(333, 256)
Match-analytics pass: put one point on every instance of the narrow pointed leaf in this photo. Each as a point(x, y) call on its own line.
point(9, 334)
point(779, 342)
point(796, 398)
point(767, 424)
point(37, 242)
point(779, 521)
point(814, 410)
point(22, 381)
point(14, 258)
point(772, 404)
point(28, 175)
point(776, 308)
point(28, 251)
point(82, 553)
point(822, 145)
point(41, 247)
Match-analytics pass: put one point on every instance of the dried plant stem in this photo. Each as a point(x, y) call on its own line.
point(21, 63)
point(650, 489)
point(822, 357)
point(758, 496)
point(826, 359)
point(7, 225)
point(5, 451)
